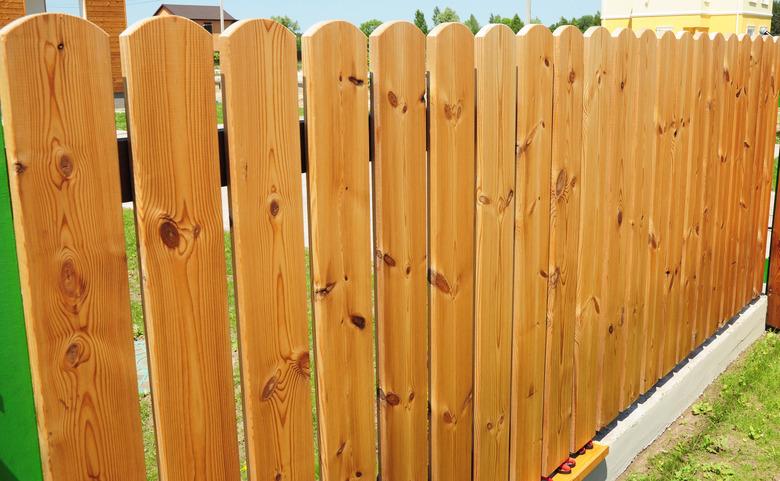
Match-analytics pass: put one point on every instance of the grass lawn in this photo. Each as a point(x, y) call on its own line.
point(731, 433)
point(150, 449)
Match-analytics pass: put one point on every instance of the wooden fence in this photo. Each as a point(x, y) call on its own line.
point(559, 219)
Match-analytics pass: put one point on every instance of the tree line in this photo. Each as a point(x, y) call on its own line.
point(448, 14)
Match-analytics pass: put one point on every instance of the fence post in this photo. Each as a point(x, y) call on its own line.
point(20, 456)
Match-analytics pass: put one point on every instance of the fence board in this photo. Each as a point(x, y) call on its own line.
point(737, 203)
point(771, 53)
point(752, 171)
point(399, 108)
point(55, 89)
point(712, 193)
point(496, 88)
point(564, 226)
point(633, 217)
point(167, 62)
point(532, 236)
point(612, 277)
point(698, 99)
point(334, 66)
point(450, 57)
point(645, 153)
point(259, 63)
point(588, 346)
point(680, 199)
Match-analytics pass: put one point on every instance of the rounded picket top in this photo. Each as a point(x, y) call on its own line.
point(596, 31)
point(700, 36)
point(622, 33)
point(262, 27)
point(163, 28)
point(494, 29)
point(683, 35)
point(567, 31)
point(715, 36)
point(450, 30)
point(397, 28)
point(534, 29)
point(667, 35)
point(341, 28)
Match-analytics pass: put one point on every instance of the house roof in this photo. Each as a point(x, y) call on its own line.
point(195, 12)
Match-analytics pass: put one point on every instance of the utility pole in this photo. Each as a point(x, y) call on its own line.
point(527, 11)
point(221, 16)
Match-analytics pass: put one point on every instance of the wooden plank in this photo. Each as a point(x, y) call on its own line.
point(644, 150)
point(564, 226)
point(771, 54)
point(168, 66)
point(19, 444)
point(10, 10)
point(400, 180)
point(259, 64)
point(496, 90)
point(726, 161)
point(58, 114)
point(677, 324)
point(586, 463)
point(740, 181)
point(659, 240)
point(753, 171)
point(532, 240)
point(631, 217)
point(334, 68)
point(698, 144)
point(637, 130)
point(707, 324)
point(588, 346)
point(612, 275)
point(450, 57)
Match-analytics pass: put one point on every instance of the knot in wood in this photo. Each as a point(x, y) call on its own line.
point(169, 233)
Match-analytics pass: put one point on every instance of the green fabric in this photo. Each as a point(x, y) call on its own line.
point(20, 458)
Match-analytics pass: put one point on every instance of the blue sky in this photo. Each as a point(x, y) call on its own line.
point(308, 12)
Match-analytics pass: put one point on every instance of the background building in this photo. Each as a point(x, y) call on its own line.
point(207, 16)
point(725, 16)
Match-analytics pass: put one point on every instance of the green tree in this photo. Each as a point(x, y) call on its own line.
point(369, 26)
point(515, 23)
point(775, 25)
point(473, 24)
point(294, 27)
point(419, 20)
point(583, 23)
point(444, 16)
point(288, 22)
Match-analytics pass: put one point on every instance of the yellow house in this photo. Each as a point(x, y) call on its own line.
point(725, 16)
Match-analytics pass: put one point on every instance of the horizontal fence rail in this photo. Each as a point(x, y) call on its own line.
point(558, 220)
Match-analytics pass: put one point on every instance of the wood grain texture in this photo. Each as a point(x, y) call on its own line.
point(771, 54)
point(659, 241)
point(450, 62)
point(564, 227)
point(55, 90)
point(677, 324)
point(495, 59)
point(334, 68)
point(737, 205)
point(259, 64)
point(588, 345)
point(752, 170)
point(715, 112)
point(110, 15)
point(612, 323)
point(773, 284)
point(690, 275)
point(167, 62)
point(401, 256)
point(532, 240)
point(634, 238)
point(644, 150)
point(727, 159)
point(10, 10)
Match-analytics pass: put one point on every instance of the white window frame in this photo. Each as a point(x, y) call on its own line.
point(748, 30)
point(663, 28)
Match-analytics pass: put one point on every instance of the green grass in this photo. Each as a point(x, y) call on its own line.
point(736, 435)
point(120, 118)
